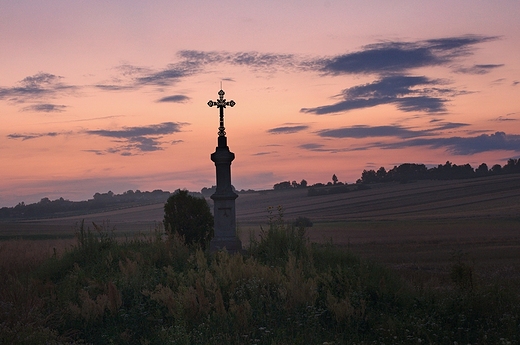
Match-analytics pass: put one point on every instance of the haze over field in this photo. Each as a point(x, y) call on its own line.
point(112, 96)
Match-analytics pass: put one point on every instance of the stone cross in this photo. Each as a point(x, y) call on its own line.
point(221, 104)
point(224, 196)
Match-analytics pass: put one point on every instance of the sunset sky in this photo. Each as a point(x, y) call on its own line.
point(112, 95)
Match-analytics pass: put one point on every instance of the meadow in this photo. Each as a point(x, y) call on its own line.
point(425, 262)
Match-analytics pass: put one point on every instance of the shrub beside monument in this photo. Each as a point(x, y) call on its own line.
point(189, 217)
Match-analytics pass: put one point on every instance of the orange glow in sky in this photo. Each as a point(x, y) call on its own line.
point(98, 96)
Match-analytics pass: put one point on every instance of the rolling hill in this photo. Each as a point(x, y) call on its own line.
point(487, 197)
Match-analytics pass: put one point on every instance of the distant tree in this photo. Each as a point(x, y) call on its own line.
point(381, 174)
point(368, 176)
point(45, 201)
point(334, 179)
point(482, 170)
point(208, 191)
point(157, 193)
point(496, 169)
point(512, 166)
point(282, 185)
point(303, 184)
point(189, 217)
point(462, 171)
point(104, 198)
point(295, 184)
point(409, 172)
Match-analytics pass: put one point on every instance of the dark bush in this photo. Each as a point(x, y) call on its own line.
point(189, 217)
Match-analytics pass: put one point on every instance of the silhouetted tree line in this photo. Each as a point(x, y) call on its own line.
point(52, 208)
point(334, 187)
point(449, 171)
point(404, 173)
point(316, 189)
point(303, 184)
point(290, 185)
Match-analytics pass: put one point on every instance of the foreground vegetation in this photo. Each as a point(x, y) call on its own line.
point(156, 290)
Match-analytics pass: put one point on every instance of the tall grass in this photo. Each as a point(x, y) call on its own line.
point(279, 240)
point(285, 290)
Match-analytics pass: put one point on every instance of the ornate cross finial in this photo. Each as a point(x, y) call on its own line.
point(221, 104)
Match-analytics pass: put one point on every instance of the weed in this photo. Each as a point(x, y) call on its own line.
point(279, 240)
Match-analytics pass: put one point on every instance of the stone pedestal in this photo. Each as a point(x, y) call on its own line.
point(224, 201)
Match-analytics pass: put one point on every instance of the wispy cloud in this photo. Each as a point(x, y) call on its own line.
point(251, 59)
point(393, 62)
point(363, 131)
point(478, 69)
point(39, 86)
point(192, 62)
point(174, 99)
point(130, 140)
point(409, 139)
point(130, 77)
point(359, 132)
point(448, 125)
point(170, 75)
point(313, 147)
point(288, 129)
point(45, 108)
point(138, 139)
point(465, 145)
point(115, 87)
point(399, 57)
point(379, 58)
point(28, 136)
point(132, 132)
point(263, 153)
point(408, 93)
point(507, 117)
point(89, 119)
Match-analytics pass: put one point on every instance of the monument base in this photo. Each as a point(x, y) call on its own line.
point(230, 244)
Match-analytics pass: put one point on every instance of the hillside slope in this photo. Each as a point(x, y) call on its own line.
point(497, 196)
point(489, 197)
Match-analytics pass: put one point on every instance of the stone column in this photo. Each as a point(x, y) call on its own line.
point(224, 201)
